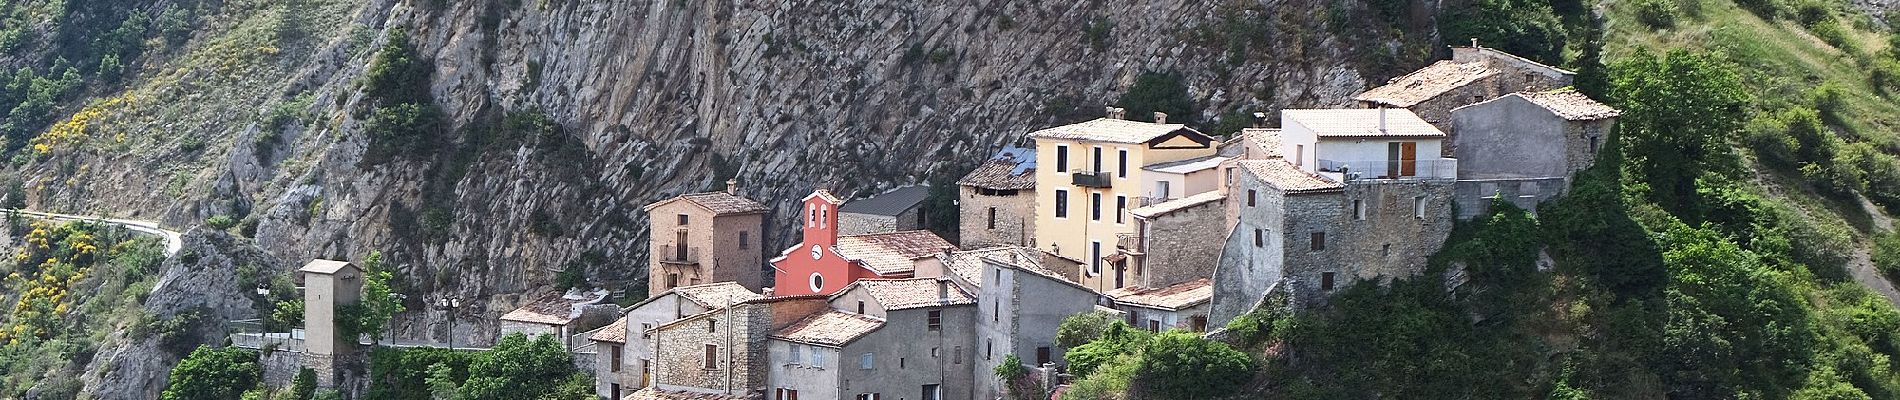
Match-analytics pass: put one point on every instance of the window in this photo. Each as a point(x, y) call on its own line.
point(1259, 238)
point(1161, 189)
point(824, 216)
point(1593, 145)
point(1121, 207)
point(817, 358)
point(900, 363)
point(615, 388)
point(1062, 159)
point(1299, 155)
point(1154, 325)
point(614, 365)
point(644, 327)
point(797, 350)
point(1121, 165)
point(934, 352)
point(1095, 206)
point(956, 356)
point(920, 218)
point(712, 356)
point(869, 396)
point(992, 223)
point(1098, 160)
point(1062, 203)
point(1095, 258)
point(1359, 210)
point(1251, 197)
point(1418, 206)
point(935, 324)
point(745, 240)
point(672, 281)
point(683, 219)
point(1044, 356)
point(1319, 241)
point(712, 326)
point(811, 215)
point(932, 392)
point(865, 361)
point(785, 394)
point(1326, 281)
point(989, 348)
point(860, 306)
point(996, 311)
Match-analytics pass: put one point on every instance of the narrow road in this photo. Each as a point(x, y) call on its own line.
point(174, 241)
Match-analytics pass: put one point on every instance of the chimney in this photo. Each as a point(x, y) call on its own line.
point(1260, 120)
point(1117, 112)
point(732, 187)
point(1474, 43)
point(943, 290)
point(1382, 121)
point(1161, 117)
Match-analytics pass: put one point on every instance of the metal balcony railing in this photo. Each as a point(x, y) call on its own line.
point(1129, 241)
point(675, 254)
point(1391, 169)
point(1094, 179)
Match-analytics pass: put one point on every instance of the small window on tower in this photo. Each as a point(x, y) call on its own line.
point(683, 219)
point(745, 240)
point(1326, 281)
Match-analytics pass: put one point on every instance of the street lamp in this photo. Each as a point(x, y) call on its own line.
point(450, 303)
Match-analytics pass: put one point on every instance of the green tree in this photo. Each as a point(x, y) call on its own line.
point(1182, 365)
point(940, 207)
point(14, 193)
point(220, 222)
point(397, 74)
point(213, 373)
point(1159, 92)
point(1735, 328)
point(304, 385)
point(1679, 111)
point(1080, 329)
point(518, 365)
point(380, 303)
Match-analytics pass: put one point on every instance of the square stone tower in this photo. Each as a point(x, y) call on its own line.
point(328, 286)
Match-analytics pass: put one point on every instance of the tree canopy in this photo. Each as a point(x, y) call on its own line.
point(213, 373)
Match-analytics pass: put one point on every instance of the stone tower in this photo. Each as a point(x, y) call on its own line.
point(328, 286)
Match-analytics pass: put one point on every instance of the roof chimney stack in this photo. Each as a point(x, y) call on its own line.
point(1161, 117)
point(732, 187)
point(943, 290)
point(1117, 112)
point(1260, 120)
point(1382, 121)
point(1474, 43)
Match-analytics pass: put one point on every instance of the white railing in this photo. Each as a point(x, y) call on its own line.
point(1390, 169)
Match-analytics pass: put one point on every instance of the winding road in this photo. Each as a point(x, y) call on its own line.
point(174, 240)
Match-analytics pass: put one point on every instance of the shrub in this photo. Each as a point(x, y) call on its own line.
point(1079, 329)
point(400, 129)
point(213, 373)
point(1766, 9)
point(220, 222)
point(304, 385)
point(1887, 254)
point(1182, 365)
point(1656, 13)
point(1159, 92)
point(1096, 34)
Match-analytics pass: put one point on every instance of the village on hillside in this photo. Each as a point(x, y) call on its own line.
point(1158, 224)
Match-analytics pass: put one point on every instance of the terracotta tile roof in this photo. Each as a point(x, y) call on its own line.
point(1174, 298)
point(1266, 138)
point(652, 393)
point(823, 194)
point(1570, 105)
point(715, 295)
point(612, 333)
point(1177, 204)
point(969, 264)
point(830, 328)
point(1288, 178)
point(1013, 168)
point(908, 293)
point(890, 203)
point(551, 309)
point(1111, 130)
point(891, 252)
point(719, 203)
point(1363, 123)
point(1426, 83)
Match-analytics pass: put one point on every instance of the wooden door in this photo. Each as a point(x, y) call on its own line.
point(1408, 159)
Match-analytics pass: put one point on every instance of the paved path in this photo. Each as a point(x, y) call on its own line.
point(174, 241)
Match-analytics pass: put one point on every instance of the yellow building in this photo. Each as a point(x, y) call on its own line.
point(1091, 173)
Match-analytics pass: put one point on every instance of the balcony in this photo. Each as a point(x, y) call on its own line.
point(672, 254)
point(1443, 168)
point(1130, 243)
point(1093, 179)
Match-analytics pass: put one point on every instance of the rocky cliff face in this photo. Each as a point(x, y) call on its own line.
point(254, 115)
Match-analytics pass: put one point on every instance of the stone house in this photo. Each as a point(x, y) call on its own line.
point(1473, 74)
point(723, 351)
point(1525, 147)
point(704, 238)
point(899, 209)
point(625, 362)
point(328, 286)
point(881, 338)
point(1182, 306)
point(825, 261)
point(1364, 143)
point(1021, 300)
point(998, 201)
point(563, 315)
point(1279, 217)
point(1175, 241)
point(1094, 175)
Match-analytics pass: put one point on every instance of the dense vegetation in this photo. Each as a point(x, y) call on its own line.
point(516, 368)
point(63, 279)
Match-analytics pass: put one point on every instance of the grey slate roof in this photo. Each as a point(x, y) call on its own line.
point(889, 203)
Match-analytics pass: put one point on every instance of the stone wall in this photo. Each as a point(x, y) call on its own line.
point(861, 224)
point(1474, 196)
point(1304, 267)
point(901, 356)
point(1247, 270)
point(712, 241)
point(739, 366)
point(1015, 219)
point(1404, 222)
point(1183, 245)
point(280, 367)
